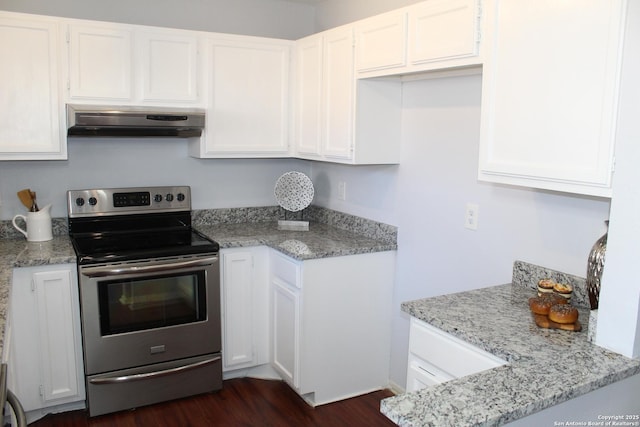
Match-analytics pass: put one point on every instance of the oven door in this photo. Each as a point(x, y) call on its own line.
point(148, 312)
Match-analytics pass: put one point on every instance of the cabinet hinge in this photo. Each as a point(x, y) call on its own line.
point(33, 285)
point(67, 36)
point(41, 390)
point(613, 165)
point(479, 22)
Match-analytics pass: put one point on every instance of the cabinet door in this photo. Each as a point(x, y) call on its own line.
point(248, 99)
point(549, 102)
point(168, 66)
point(339, 83)
point(57, 330)
point(381, 42)
point(309, 96)
point(46, 347)
point(100, 63)
point(30, 102)
point(443, 29)
point(286, 330)
point(237, 310)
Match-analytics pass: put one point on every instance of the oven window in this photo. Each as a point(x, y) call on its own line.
point(151, 302)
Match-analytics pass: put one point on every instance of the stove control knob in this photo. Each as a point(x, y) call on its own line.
point(169, 197)
point(181, 197)
point(157, 198)
point(79, 201)
point(93, 201)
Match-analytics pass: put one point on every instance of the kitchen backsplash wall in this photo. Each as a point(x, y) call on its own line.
point(123, 162)
point(528, 275)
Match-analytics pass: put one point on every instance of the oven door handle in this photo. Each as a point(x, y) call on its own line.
point(150, 375)
point(153, 268)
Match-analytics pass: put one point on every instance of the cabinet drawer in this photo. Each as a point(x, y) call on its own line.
point(448, 353)
point(421, 374)
point(286, 269)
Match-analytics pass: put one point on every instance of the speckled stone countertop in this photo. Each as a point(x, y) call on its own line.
point(498, 320)
point(320, 241)
point(330, 234)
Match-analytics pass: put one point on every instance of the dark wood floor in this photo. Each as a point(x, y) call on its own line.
point(241, 402)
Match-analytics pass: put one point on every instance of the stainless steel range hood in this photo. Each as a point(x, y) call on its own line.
point(108, 121)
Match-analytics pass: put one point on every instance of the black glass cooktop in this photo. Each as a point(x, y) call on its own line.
point(100, 240)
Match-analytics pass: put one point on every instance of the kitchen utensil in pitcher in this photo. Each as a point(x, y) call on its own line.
point(25, 198)
point(34, 206)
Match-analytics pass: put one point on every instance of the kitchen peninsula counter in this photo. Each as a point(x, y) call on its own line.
point(545, 367)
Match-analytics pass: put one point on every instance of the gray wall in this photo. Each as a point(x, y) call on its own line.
point(426, 196)
point(100, 163)
point(332, 13)
point(270, 18)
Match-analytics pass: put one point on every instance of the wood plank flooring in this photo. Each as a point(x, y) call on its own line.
point(243, 402)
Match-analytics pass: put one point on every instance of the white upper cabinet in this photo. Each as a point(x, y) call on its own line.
point(549, 96)
point(338, 94)
point(169, 66)
point(444, 30)
point(30, 123)
point(248, 98)
point(309, 93)
point(100, 63)
point(132, 64)
point(340, 119)
point(428, 36)
point(381, 41)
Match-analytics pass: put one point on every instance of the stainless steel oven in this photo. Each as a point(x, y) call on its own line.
point(149, 298)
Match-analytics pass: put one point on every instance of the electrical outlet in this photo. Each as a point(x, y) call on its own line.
point(342, 190)
point(471, 216)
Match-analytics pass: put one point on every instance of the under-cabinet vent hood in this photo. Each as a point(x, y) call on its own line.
point(108, 121)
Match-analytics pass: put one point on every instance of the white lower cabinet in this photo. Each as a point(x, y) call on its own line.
point(286, 329)
point(245, 308)
point(436, 356)
point(45, 367)
point(331, 323)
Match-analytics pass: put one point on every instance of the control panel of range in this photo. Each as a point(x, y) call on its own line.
point(114, 201)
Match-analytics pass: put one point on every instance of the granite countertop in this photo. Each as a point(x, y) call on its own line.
point(498, 320)
point(321, 241)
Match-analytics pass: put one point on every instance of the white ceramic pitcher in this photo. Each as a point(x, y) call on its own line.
point(38, 225)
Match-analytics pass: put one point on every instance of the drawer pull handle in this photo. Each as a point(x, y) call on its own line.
point(148, 375)
point(425, 371)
